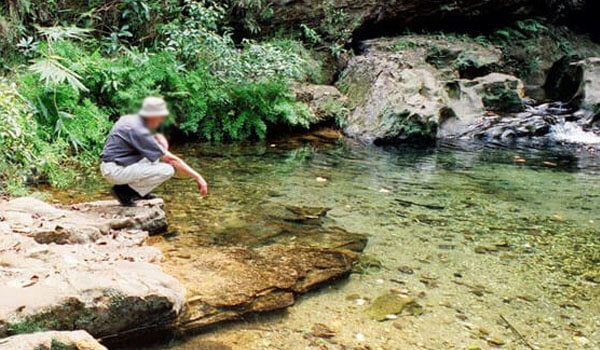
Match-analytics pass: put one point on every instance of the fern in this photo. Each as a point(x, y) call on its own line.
point(57, 33)
point(51, 71)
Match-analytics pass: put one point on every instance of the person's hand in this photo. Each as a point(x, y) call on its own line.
point(202, 185)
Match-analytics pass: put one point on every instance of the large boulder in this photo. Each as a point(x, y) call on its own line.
point(587, 74)
point(76, 340)
point(325, 101)
point(577, 82)
point(82, 223)
point(415, 88)
point(470, 100)
point(106, 284)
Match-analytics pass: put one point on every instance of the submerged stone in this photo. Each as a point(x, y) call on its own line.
point(321, 330)
point(290, 225)
point(366, 264)
point(227, 283)
point(391, 304)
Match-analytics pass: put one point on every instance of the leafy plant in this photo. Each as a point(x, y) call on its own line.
point(49, 65)
point(253, 12)
point(334, 31)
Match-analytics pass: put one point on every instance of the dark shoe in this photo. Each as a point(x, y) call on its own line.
point(147, 197)
point(124, 194)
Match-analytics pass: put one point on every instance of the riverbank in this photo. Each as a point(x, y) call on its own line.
point(87, 267)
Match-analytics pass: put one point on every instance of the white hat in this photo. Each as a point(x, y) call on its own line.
point(154, 107)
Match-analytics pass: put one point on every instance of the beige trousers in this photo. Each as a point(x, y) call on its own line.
point(143, 176)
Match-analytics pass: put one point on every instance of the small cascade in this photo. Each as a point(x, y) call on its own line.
point(556, 122)
point(571, 132)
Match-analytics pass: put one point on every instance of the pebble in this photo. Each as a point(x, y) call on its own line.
point(528, 297)
point(360, 337)
point(399, 291)
point(496, 341)
point(321, 179)
point(583, 341)
point(406, 269)
point(353, 296)
point(484, 331)
point(398, 325)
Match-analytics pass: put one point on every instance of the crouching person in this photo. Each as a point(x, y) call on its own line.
point(135, 161)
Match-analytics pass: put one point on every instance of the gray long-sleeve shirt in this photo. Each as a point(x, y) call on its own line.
point(130, 141)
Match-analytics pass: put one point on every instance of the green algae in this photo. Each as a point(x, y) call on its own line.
point(57, 345)
point(391, 304)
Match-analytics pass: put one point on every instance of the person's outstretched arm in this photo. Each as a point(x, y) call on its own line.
point(182, 167)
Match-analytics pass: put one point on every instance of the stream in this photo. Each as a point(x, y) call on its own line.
point(499, 245)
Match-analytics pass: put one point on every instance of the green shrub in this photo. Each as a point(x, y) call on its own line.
point(17, 138)
point(180, 49)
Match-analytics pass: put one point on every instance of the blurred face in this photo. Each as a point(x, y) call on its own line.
point(153, 122)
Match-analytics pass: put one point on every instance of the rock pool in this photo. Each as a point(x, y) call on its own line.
point(499, 246)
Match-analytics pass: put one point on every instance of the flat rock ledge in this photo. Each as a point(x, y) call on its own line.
point(227, 283)
point(83, 267)
point(86, 267)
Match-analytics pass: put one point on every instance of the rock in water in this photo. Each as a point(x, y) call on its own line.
point(588, 93)
point(76, 340)
point(288, 225)
point(107, 283)
point(469, 100)
point(321, 330)
point(390, 304)
point(577, 82)
point(226, 283)
point(415, 89)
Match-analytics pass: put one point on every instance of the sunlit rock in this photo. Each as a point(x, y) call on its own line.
point(75, 340)
point(106, 283)
point(101, 278)
point(416, 89)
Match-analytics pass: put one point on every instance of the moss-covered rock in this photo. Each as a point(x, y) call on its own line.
point(391, 304)
point(418, 88)
point(326, 102)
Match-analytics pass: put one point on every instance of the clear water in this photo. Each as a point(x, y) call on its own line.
point(481, 236)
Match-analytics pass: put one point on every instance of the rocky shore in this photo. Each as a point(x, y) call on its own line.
point(421, 88)
point(74, 273)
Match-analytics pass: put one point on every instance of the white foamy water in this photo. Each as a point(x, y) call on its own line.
point(572, 133)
